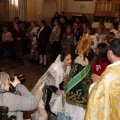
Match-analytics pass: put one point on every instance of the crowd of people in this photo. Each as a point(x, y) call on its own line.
point(82, 83)
point(43, 40)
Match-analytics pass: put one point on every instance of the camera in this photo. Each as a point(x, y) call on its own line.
point(21, 78)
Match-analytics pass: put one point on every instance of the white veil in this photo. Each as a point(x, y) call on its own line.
point(58, 59)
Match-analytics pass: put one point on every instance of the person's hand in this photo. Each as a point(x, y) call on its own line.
point(15, 82)
point(59, 92)
point(95, 77)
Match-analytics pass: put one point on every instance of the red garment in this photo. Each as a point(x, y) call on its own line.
point(99, 68)
point(66, 34)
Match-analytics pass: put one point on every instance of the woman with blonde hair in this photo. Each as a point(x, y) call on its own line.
point(21, 100)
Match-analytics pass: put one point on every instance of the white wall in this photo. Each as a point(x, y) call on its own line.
point(23, 9)
point(81, 6)
point(47, 8)
point(59, 6)
point(39, 8)
point(19, 10)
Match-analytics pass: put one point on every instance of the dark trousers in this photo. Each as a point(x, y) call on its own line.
point(41, 48)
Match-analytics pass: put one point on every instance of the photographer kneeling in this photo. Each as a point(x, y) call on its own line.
point(21, 100)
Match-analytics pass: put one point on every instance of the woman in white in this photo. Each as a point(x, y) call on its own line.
point(52, 79)
point(99, 34)
point(6, 36)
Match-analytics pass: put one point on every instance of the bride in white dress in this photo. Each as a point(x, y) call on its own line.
point(52, 77)
point(71, 104)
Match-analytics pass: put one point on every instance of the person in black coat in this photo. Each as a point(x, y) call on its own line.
point(77, 31)
point(43, 37)
point(18, 37)
point(63, 27)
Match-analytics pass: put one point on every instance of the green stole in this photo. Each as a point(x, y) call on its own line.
point(77, 85)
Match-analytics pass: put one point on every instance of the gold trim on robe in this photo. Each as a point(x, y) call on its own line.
point(104, 99)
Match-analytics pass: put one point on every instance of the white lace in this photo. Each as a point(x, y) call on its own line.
point(80, 59)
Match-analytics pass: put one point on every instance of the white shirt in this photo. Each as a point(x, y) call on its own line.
point(7, 37)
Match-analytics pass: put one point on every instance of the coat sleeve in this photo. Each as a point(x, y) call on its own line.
point(23, 102)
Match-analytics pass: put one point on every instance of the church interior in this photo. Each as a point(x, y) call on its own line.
point(91, 12)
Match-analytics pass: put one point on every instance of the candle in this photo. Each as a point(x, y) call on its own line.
point(110, 7)
point(102, 5)
point(106, 6)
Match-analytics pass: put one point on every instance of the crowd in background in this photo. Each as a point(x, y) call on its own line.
point(47, 42)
